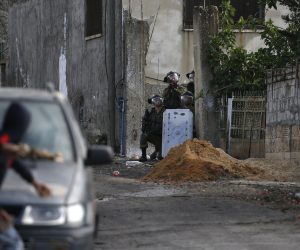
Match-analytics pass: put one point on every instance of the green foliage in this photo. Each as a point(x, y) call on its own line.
point(233, 67)
point(279, 48)
point(292, 33)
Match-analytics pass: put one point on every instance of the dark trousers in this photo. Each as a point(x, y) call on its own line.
point(156, 140)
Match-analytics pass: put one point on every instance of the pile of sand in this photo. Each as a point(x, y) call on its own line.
point(197, 160)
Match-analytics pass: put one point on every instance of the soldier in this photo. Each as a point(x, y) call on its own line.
point(191, 85)
point(187, 102)
point(172, 93)
point(152, 128)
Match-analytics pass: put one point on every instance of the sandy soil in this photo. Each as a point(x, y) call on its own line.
point(197, 160)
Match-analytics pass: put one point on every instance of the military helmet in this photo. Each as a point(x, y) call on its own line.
point(191, 75)
point(172, 77)
point(187, 98)
point(156, 100)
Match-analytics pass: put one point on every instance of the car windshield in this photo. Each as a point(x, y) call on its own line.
point(48, 129)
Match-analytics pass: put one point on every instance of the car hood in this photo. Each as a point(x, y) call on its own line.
point(57, 176)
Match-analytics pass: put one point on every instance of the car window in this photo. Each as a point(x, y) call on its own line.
point(48, 129)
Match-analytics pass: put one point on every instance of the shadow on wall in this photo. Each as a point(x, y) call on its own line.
point(94, 136)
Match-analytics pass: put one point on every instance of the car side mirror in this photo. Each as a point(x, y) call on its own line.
point(99, 154)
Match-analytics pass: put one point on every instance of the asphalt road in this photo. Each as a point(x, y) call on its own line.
point(136, 215)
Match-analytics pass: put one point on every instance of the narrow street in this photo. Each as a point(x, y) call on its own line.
point(228, 214)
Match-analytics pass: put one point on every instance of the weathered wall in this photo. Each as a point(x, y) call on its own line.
point(119, 70)
point(136, 38)
point(206, 23)
point(36, 36)
point(47, 43)
point(4, 6)
point(283, 114)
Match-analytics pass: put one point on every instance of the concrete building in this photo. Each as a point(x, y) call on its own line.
point(171, 32)
point(77, 45)
point(94, 53)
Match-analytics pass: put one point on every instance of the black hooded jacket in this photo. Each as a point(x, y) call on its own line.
point(15, 123)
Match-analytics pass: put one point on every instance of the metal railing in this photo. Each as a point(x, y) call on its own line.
point(242, 118)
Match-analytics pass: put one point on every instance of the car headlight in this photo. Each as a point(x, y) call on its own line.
point(53, 215)
point(75, 214)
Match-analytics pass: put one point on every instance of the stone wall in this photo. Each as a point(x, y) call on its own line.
point(283, 114)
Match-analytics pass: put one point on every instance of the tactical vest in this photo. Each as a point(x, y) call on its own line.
point(171, 98)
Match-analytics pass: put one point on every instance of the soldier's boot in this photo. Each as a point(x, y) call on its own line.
point(143, 158)
point(153, 155)
point(159, 156)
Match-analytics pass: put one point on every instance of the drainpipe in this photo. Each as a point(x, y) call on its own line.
point(121, 107)
point(121, 99)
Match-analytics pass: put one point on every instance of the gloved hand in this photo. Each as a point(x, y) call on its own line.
point(5, 220)
point(41, 189)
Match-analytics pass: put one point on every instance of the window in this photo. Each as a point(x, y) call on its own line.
point(48, 129)
point(245, 8)
point(93, 18)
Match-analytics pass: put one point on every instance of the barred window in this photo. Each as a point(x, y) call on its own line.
point(245, 8)
point(93, 18)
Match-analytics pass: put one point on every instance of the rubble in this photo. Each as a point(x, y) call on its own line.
point(197, 160)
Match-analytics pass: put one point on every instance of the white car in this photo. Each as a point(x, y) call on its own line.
point(65, 220)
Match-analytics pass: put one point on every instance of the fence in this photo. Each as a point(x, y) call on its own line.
point(242, 123)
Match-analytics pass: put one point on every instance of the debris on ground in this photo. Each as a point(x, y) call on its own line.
point(115, 173)
point(132, 163)
point(197, 160)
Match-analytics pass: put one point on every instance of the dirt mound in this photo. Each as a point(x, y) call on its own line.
point(197, 160)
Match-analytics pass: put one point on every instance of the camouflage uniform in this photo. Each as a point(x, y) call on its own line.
point(190, 107)
point(172, 95)
point(152, 129)
point(191, 87)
